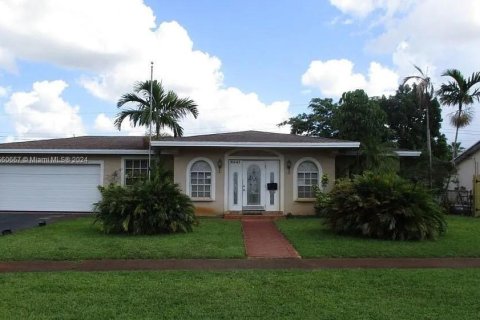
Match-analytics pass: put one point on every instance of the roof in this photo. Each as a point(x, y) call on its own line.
point(254, 139)
point(85, 144)
point(139, 144)
point(467, 153)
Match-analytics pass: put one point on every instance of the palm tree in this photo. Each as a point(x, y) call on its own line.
point(167, 108)
point(424, 90)
point(458, 92)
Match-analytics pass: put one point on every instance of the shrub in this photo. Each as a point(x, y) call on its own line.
point(148, 207)
point(382, 206)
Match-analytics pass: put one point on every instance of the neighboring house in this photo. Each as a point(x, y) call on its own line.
point(222, 173)
point(468, 166)
point(467, 179)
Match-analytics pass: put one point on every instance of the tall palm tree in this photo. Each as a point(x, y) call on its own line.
point(167, 108)
point(459, 91)
point(425, 91)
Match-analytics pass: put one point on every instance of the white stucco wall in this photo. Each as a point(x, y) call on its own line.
point(467, 169)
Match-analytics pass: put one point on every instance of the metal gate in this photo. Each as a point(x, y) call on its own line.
point(476, 196)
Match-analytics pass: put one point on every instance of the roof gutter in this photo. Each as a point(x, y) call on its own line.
point(73, 151)
point(256, 144)
point(400, 153)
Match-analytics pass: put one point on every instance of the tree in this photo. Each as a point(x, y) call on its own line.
point(318, 123)
point(381, 124)
point(355, 117)
point(458, 148)
point(424, 90)
point(459, 91)
point(167, 108)
point(360, 118)
point(407, 123)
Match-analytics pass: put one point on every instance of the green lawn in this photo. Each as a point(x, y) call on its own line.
point(327, 294)
point(311, 239)
point(79, 239)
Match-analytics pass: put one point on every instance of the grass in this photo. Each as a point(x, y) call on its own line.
point(327, 294)
point(79, 239)
point(312, 239)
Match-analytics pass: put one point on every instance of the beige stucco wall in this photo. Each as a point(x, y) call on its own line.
point(181, 161)
point(183, 157)
point(326, 160)
point(180, 158)
point(467, 169)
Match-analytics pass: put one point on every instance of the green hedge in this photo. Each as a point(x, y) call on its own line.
point(382, 206)
point(148, 207)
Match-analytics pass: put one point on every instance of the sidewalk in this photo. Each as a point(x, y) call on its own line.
point(237, 264)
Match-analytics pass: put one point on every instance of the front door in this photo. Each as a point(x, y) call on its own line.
point(253, 185)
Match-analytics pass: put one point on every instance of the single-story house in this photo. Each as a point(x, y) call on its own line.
point(223, 173)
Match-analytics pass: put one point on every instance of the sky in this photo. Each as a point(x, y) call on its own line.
point(249, 65)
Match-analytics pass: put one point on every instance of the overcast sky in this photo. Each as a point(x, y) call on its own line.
point(248, 64)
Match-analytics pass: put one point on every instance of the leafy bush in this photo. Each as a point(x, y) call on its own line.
point(148, 207)
point(382, 206)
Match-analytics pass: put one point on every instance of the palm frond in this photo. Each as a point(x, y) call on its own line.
point(166, 107)
point(131, 98)
point(462, 118)
point(132, 114)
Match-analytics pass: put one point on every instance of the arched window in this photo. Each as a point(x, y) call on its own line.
point(307, 179)
point(200, 180)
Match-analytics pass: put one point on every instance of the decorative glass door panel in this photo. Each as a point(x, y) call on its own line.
point(247, 185)
point(235, 185)
point(254, 185)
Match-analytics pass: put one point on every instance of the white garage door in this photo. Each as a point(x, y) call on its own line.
point(49, 187)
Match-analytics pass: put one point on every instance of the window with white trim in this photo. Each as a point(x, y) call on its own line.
point(135, 170)
point(201, 180)
point(307, 180)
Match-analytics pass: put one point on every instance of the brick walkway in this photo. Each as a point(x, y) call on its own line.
point(263, 240)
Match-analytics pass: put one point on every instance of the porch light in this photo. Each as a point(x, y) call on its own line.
point(219, 164)
point(289, 165)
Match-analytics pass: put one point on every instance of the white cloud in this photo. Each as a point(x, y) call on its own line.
point(334, 77)
point(105, 124)
point(361, 9)
point(429, 33)
point(115, 49)
point(454, 39)
point(87, 34)
point(3, 91)
point(354, 7)
point(433, 34)
point(7, 61)
point(176, 63)
point(43, 113)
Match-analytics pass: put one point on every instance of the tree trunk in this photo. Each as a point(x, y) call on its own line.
point(454, 153)
point(429, 146)
point(454, 147)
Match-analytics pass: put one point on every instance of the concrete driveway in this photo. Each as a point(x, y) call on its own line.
point(17, 221)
